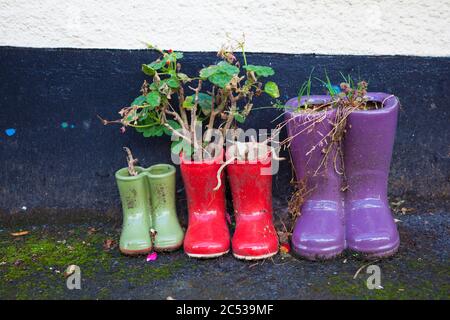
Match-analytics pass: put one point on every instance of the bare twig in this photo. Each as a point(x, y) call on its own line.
point(131, 162)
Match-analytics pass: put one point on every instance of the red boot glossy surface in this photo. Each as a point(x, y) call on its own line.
point(255, 236)
point(207, 235)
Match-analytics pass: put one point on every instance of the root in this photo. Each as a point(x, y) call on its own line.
point(297, 199)
point(219, 172)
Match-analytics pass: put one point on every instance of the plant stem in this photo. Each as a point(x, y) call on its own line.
point(180, 105)
point(194, 114)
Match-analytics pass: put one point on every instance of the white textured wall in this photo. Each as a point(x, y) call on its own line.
point(411, 27)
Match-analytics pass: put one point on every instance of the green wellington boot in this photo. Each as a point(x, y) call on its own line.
point(135, 238)
point(169, 235)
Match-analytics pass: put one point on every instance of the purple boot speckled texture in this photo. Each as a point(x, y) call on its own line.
point(369, 140)
point(359, 218)
point(319, 231)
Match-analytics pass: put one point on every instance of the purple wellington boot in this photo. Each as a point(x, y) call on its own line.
point(319, 230)
point(370, 228)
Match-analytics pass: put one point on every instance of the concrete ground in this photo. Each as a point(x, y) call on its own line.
point(32, 266)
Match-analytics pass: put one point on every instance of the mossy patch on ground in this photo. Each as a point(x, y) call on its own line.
point(33, 266)
point(396, 285)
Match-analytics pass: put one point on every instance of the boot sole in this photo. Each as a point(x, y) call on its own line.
point(135, 252)
point(169, 249)
point(378, 255)
point(206, 256)
point(250, 258)
point(318, 256)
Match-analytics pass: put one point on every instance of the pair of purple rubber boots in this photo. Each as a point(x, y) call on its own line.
point(358, 219)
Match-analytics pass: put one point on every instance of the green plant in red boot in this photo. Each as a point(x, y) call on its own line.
point(218, 98)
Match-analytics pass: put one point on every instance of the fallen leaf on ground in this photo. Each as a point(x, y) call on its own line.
point(20, 233)
point(92, 230)
point(18, 262)
point(405, 210)
point(152, 256)
point(108, 244)
point(398, 203)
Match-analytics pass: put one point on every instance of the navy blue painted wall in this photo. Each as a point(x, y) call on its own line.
point(45, 165)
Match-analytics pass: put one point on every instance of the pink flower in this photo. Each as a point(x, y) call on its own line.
point(152, 256)
point(122, 129)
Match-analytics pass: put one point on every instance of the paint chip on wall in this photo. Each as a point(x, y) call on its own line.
point(10, 132)
point(66, 125)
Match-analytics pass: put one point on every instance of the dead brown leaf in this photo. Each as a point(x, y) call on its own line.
point(108, 244)
point(405, 210)
point(20, 233)
point(18, 262)
point(92, 230)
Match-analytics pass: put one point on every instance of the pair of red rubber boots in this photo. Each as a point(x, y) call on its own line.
point(208, 235)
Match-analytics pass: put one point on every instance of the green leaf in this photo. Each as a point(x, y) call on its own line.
point(138, 101)
point(143, 114)
point(156, 130)
point(227, 68)
point(183, 77)
point(148, 70)
point(239, 117)
point(175, 125)
point(220, 79)
point(188, 103)
point(207, 72)
point(164, 88)
point(176, 146)
point(156, 65)
point(173, 82)
point(177, 55)
point(154, 99)
point(181, 146)
point(271, 89)
point(204, 101)
point(260, 71)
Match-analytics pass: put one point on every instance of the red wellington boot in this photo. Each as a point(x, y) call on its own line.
point(207, 235)
point(255, 236)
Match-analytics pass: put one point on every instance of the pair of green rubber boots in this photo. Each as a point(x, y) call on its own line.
point(148, 202)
